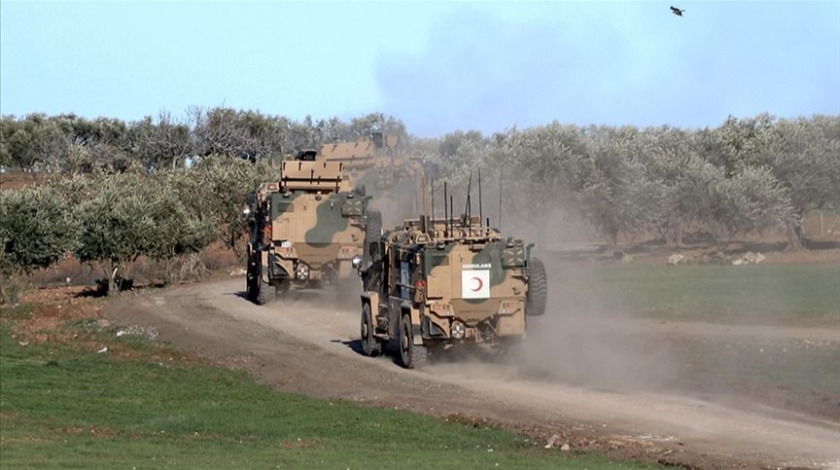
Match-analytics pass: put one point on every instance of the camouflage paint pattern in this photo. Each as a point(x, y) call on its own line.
point(390, 174)
point(451, 273)
point(310, 223)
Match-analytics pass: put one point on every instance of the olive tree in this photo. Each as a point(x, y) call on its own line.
point(35, 142)
point(248, 135)
point(616, 195)
point(162, 143)
point(540, 172)
point(750, 201)
point(215, 189)
point(805, 160)
point(178, 231)
point(38, 229)
point(129, 216)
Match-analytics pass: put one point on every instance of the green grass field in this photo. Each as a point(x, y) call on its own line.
point(763, 293)
point(66, 408)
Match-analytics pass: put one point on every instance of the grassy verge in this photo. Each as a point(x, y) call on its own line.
point(763, 293)
point(139, 405)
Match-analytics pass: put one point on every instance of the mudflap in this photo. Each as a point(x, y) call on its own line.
point(416, 325)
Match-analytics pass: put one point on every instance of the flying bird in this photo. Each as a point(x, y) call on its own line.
point(676, 11)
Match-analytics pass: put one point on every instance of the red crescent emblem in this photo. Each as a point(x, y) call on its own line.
point(480, 284)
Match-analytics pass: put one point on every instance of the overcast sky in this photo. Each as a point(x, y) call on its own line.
point(438, 66)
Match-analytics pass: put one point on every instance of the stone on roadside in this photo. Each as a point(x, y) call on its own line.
point(675, 259)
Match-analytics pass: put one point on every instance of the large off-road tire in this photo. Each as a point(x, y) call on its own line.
point(371, 345)
point(262, 291)
point(537, 288)
point(249, 285)
point(412, 356)
point(251, 281)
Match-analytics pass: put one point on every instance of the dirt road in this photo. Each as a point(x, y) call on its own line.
point(625, 400)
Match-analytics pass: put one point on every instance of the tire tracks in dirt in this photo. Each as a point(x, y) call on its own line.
point(309, 345)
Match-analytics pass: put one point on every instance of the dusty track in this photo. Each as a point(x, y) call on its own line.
point(309, 345)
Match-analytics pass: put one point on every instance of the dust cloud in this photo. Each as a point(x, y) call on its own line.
point(397, 204)
point(582, 341)
point(589, 341)
point(579, 340)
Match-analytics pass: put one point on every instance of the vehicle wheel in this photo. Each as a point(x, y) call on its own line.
point(413, 356)
point(370, 344)
point(250, 282)
point(263, 293)
point(537, 288)
point(261, 288)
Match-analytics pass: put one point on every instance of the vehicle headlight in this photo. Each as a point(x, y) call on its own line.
point(457, 330)
point(302, 272)
point(357, 262)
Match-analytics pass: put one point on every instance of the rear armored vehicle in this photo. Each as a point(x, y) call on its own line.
point(432, 285)
point(308, 229)
point(391, 172)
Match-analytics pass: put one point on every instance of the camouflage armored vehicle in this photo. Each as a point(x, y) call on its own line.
point(437, 284)
point(308, 229)
point(391, 173)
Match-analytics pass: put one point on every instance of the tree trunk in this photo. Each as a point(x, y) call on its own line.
point(11, 289)
point(613, 237)
point(673, 238)
point(794, 234)
point(113, 288)
point(3, 298)
point(169, 277)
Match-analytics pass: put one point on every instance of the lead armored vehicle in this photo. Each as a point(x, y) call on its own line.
point(432, 285)
point(308, 229)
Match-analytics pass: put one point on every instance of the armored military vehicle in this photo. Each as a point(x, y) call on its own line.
point(434, 284)
point(391, 173)
point(308, 229)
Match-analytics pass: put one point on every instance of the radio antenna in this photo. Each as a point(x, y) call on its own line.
point(425, 224)
point(480, 212)
point(501, 172)
point(445, 212)
point(468, 209)
point(451, 211)
point(432, 184)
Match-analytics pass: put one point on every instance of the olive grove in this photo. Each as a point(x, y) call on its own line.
point(113, 191)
